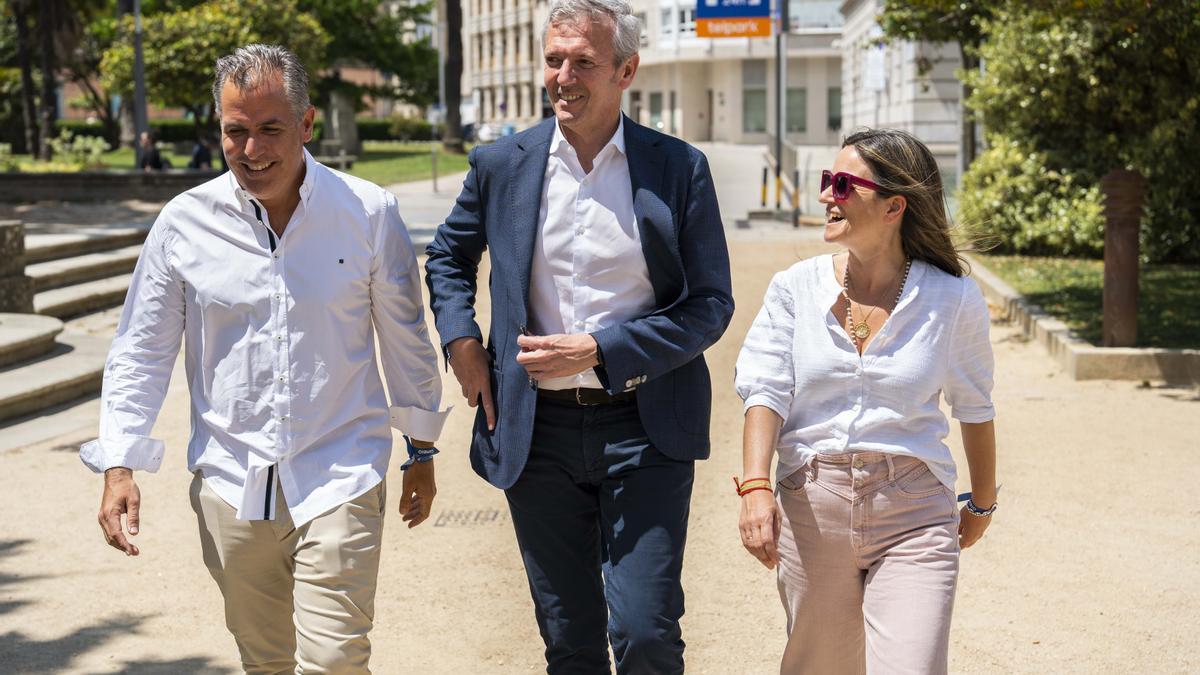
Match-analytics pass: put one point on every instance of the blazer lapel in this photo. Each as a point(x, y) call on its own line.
point(528, 173)
point(656, 226)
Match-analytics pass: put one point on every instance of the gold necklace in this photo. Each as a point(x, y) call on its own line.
point(860, 331)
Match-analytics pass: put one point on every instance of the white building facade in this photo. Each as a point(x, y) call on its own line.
point(901, 85)
point(700, 89)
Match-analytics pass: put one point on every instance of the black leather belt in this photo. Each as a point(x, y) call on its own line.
point(583, 396)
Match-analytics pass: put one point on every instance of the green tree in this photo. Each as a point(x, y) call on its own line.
point(378, 35)
point(1098, 85)
point(943, 21)
point(180, 48)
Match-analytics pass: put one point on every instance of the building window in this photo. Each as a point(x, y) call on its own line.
point(671, 112)
point(797, 110)
point(666, 26)
point(656, 111)
point(687, 21)
point(754, 96)
point(645, 35)
point(835, 108)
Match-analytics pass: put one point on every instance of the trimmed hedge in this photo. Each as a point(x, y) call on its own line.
point(1011, 199)
point(166, 131)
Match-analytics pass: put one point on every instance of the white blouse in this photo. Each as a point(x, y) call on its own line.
point(799, 361)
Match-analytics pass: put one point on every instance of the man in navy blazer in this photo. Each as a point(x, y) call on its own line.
point(609, 278)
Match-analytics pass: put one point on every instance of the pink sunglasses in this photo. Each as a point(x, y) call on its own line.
point(841, 182)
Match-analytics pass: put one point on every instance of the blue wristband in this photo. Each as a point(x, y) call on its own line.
point(417, 455)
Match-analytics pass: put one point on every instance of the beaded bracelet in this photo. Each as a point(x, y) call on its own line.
point(973, 509)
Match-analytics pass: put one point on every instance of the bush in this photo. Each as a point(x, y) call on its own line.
point(1010, 198)
point(82, 151)
point(410, 129)
point(80, 128)
point(165, 131)
point(7, 161)
point(374, 130)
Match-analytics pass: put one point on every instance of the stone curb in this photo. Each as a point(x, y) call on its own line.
point(1081, 359)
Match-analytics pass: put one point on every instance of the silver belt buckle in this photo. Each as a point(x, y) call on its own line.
point(577, 399)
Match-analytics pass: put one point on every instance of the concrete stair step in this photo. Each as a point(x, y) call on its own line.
point(88, 267)
point(41, 247)
point(26, 336)
point(79, 299)
point(74, 368)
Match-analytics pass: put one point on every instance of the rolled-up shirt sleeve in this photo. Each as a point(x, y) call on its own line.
point(408, 357)
point(968, 386)
point(764, 375)
point(138, 369)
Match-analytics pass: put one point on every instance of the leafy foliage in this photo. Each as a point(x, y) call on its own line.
point(1093, 85)
point(1010, 197)
point(84, 151)
point(376, 34)
point(181, 47)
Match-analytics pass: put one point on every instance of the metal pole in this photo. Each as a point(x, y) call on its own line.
point(780, 97)
point(140, 124)
point(438, 32)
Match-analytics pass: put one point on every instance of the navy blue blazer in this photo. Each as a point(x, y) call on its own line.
point(660, 354)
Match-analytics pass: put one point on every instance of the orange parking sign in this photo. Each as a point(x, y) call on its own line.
point(734, 27)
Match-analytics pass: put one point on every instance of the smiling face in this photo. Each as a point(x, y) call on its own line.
point(866, 216)
point(263, 140)
point(583, 79)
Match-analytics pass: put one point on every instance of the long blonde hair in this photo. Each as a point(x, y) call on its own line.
point(904, 166)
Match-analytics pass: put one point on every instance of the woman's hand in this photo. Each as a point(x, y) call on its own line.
point(971, 527)
point(759, 524)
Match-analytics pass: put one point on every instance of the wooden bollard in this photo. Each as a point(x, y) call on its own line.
point(1124, 196)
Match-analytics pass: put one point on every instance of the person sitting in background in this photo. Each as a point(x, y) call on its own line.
point(150, 159)
point(202, 157)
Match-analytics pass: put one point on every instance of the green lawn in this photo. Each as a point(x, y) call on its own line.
point(388, 162)
point(1072, 290)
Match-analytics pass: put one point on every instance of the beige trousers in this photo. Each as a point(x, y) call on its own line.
point(868, 566)
point(322, 575)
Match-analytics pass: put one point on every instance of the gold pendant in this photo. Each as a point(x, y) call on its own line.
point(861, 330)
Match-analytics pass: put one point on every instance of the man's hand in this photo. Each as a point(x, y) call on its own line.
point(121, 496)
point(472, 367)
point(419, 489)
point(550, 356)
point(759, 523)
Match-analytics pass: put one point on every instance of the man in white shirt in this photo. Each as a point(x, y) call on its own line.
point(281, 273)
point(609, 278)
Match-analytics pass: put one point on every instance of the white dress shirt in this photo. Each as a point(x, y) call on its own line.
point(799, 361)
point(588, 270)
point(280, 344)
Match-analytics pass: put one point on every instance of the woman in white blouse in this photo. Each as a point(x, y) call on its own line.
point(841, 375)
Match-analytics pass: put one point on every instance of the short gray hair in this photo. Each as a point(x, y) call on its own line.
point(247, 67)
point(627, 29)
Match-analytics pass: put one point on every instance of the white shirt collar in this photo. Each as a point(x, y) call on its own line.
point(559, 143)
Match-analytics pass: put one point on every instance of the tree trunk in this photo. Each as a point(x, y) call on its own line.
point(452, 140)
point(49, 112)
point(25, 62)
point(966, 118)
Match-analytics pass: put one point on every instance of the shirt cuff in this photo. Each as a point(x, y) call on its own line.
point(973, 415)
point(139, 453)
point(779, 407)
point(418, 423)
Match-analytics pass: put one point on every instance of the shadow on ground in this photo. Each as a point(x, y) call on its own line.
point(21, 654)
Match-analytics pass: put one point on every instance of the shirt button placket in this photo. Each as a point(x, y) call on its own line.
point(282, 399)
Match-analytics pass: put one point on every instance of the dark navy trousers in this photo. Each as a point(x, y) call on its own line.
point(601, 520)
